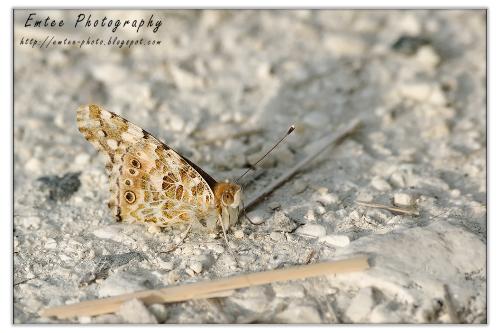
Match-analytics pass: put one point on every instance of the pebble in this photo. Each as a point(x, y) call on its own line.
point(30, 222)
point(135, 312)
point(217, 248)
point(154, 229)
point(361, 305)
point(33, 165)
point(299, 314)
point(423, 92)
point(121, 283)
point(50, 244)
point(288, 290)
point(326, 198)
point(239, 234)
point(159, 311)
point(299, 186)
point(82, 159)
point(398, 179)
point(380, 184)
point(274, 205)
point(335, 240)
point(196, 266)
point(427, 56)
point(282, 223)
point(277, 236)
point(403, 199)
point(312, 230)
point(455, 193)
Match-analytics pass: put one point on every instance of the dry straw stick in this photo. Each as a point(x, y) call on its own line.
point(330, 140)
point(389, 208)
point(206, 289)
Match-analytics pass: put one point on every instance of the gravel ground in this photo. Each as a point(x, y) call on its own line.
point(417, 80)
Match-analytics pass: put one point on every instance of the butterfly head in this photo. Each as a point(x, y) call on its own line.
point(228, 198)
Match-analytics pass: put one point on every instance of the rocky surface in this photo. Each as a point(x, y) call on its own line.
point(221, 89)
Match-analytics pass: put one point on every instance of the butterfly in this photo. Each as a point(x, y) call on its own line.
point(151, 182)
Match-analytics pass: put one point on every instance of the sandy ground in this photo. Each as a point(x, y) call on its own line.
point(415, 78)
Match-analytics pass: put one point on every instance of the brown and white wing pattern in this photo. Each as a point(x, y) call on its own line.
point(149, 182)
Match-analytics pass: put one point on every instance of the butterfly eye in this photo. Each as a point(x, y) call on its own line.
point(136, 164)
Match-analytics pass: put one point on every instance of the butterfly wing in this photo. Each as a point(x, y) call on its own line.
point(149, 182)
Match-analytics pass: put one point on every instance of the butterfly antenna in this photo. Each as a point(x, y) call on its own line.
point(252, 167)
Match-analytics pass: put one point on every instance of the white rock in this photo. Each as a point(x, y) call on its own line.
point(380, 184)
point(239, 234)
point(381, 314)
point(176, 123)
point(121, 283)
point(154, 229)
point(423, 92)
point(196, 266)
point(82, 159)
point(217, 248)
point(159, 311)
point(311, 230)
point(274, 205)
point(403, 199)
point(427, 57)
point(299, 315)
point(30, 222)
point(50, 243)
point(361, 306)
point(299, 186)
point(135, 312)
point(277, 236)
point(288, 290)
point(335, 240)
point(33, 165)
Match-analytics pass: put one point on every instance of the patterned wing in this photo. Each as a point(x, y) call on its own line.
point(149, 182)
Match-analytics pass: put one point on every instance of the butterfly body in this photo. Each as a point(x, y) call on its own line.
point(152, 183)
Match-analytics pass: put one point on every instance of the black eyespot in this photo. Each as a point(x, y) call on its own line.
point(130, 197)
point(132, 171)
point(135, 163)
point(128, 182)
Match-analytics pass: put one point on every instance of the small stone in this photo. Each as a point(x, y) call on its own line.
point(239, 234)
point(398, 179)
point(159, 311)
point(299, 314)
point(277, 236)
point(190, 272)
point(312, 230)
point(288, 290)
point(107, 319)
point(166, 265)
point(154, 229)
point(196, 266)
point(299, 186)
point(282, 223)
point(455, 193)
point(354, 215)
point(82, 159)
point(361, 305)
point(33, 165)
point(320, 210)
point(274, 205)
point(380, 184)
point(121, 283)
point(403, 199)
point(176, 123)
point(427, 57)
point(135, 312)
point(423, 92)
point(217, 248)
point(324, 197)
point(84, 319)
point(50, 244)
point(335, 240)
point(30, 222)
